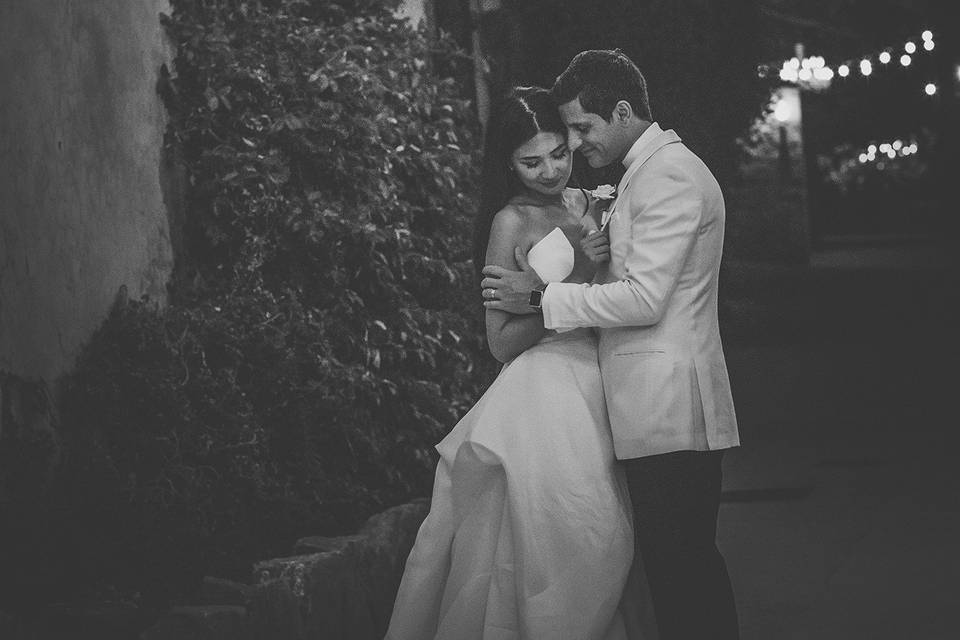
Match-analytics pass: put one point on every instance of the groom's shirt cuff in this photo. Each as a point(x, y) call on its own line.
point(548, 306)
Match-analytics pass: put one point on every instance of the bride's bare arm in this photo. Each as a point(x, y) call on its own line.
point(509, 335)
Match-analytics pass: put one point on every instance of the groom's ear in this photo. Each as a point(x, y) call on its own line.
point(622, 112)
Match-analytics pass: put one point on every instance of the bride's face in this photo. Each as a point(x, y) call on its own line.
point(543, 163)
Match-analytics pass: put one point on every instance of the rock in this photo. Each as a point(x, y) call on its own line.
point(318, 544)
point(226, 592)
point(390, 536)
point(346, 588)
point(275, 612)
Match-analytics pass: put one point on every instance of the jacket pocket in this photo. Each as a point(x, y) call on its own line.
point(647, 352)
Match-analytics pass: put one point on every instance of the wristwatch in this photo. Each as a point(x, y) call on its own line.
point(536, 298)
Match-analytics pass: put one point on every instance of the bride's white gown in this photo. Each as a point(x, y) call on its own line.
point(529, 535)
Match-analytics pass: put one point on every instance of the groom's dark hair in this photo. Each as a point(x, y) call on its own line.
point(601, 78)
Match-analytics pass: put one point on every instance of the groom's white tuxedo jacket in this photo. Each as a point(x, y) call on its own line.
point(664, 374)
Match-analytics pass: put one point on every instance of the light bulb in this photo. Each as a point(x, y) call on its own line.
point(905, 60)
point(910, 47)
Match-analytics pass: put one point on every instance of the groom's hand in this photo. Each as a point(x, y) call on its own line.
point(595, 245)
point(508, 290)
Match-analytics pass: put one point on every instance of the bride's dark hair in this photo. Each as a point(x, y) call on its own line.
point(520, 115)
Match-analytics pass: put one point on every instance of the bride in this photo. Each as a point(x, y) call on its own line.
point(529, 535)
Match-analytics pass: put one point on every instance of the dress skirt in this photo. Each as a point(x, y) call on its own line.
point(529, 535)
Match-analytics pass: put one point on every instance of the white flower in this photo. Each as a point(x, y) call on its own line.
point(604, 192)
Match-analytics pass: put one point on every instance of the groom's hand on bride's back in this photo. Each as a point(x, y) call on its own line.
point(596, 245)
point(509, 290)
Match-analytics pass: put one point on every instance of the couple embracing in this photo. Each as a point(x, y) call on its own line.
point(578, 498)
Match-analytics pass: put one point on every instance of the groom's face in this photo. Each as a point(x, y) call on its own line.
point(600, 142)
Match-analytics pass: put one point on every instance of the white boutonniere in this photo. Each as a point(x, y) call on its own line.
point(605, 192)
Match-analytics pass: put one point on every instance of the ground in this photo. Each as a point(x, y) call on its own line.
point(841, 516)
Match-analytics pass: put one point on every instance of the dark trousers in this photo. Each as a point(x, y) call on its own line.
point(675, 499)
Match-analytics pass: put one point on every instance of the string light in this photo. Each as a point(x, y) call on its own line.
point(824, 74)
point(930, 89)
point(813, 72)
point(888, 151)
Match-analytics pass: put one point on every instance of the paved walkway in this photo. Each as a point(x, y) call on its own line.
point(842, 511)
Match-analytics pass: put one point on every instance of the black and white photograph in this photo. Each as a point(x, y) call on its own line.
point(479, 319)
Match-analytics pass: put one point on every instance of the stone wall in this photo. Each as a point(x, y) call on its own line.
point(82, 211)
point(332, 588)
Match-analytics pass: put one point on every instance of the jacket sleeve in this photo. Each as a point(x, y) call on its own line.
point(665, 216)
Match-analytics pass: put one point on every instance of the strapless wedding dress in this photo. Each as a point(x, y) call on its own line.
point(529, 535)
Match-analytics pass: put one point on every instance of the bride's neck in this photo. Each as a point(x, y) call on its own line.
point(540, 198)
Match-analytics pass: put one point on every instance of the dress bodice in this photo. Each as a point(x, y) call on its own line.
point(552, 256)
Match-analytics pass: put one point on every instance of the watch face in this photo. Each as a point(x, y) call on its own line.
point(535, 297)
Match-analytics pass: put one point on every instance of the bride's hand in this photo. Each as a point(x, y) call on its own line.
point(596, 245)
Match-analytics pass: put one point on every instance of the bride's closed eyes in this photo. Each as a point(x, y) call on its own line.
point(560, 153)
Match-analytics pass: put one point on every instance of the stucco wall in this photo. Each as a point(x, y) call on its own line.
point(81, 207)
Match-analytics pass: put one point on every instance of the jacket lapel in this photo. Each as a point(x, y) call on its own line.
point(663, 139)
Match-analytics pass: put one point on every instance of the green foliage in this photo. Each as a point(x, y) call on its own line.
point(323, 330)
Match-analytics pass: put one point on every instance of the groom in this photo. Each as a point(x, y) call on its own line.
point(664, 374)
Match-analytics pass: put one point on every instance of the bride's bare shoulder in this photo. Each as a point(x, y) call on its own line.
point(509, 220)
